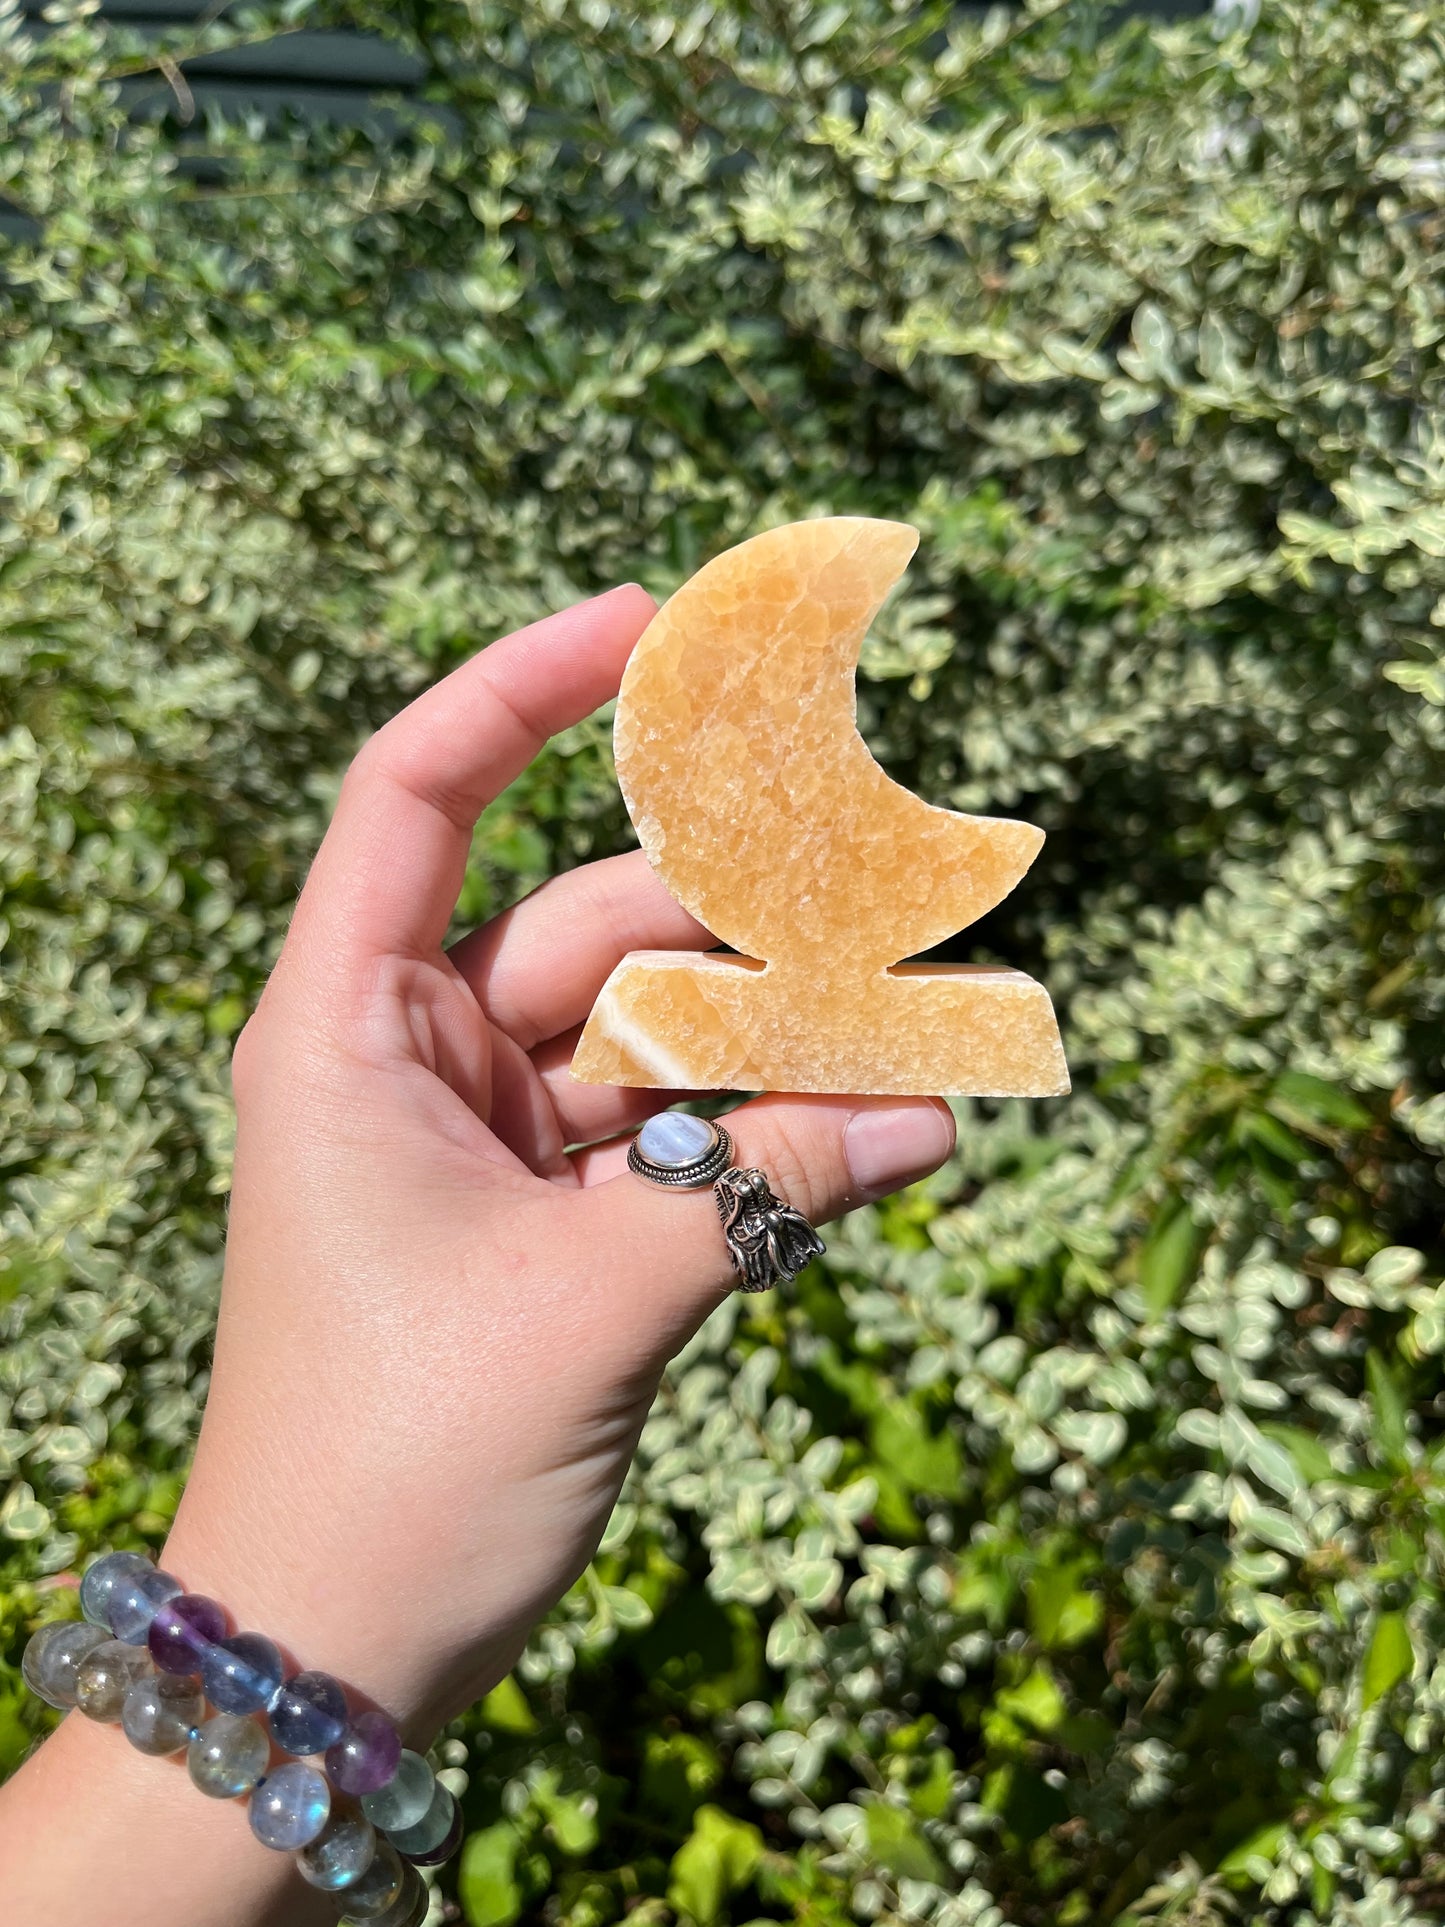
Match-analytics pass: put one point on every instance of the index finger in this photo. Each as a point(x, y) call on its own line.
point(386, 878)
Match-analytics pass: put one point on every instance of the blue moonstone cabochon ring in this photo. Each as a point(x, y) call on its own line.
point(681, 1151)
point(768, 1241)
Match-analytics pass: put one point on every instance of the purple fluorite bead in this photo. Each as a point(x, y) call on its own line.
point(366, 1755)
point(308, 1715)
point(183, 1632)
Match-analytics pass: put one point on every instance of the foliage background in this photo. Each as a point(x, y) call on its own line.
point(1068, 1547)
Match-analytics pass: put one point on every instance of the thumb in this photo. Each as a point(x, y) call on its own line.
point(822, 1155)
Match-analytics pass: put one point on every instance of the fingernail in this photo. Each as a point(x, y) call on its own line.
point(889, 1148)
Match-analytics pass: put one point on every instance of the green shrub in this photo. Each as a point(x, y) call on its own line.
point(1068, 1547)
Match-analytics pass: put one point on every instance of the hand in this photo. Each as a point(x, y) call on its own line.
point(440, 1331)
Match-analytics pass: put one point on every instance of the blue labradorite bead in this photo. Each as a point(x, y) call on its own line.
point(290, 1807)
point(340, 1854)
point(242, 1674)
point(101, 1577)
point(160, 1713)
point(134, 1601)
point(308, 1715)
point(376, 1893)
point(183, 1631)
point(106, 1675)
point(409, 1909)
point(366, 1755)
point(228, 1756)
point(53, 1658)
point(432, 1828)
point(675, 1138)
point(405, 1797)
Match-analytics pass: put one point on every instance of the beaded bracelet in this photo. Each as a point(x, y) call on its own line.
point(150, 1655)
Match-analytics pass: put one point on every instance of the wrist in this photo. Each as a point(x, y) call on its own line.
point(371, 1548)
point(93, 1832)
point(337, 1607)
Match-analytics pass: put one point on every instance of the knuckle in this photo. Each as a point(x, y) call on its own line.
point(246, 1058)
point(368, 765)
point(261, 1047)
point(395, 758)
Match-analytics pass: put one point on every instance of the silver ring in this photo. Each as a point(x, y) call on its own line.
point(683, 1165)
point(768, 1241)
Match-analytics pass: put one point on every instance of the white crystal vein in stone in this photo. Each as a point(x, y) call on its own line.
point(674, 1139)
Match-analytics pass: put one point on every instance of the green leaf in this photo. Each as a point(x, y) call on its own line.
point(898, 1845)
point(1277, 1529)
point(16, 1738)
point(931, 1796)
point(1168, 1257)
point(1269, 1461)
point(719, 1857)
point(1389, 1658)
point(1310, 1457)
point(1253, 1857)
point(983, 1589)
point(1393, 1270)
point(1298, 1098)
point(571, 1816)
point(678, 1770)
point(505, 1708)
point(922, 1459)
point(1343, 1764)
point(22, 1516)
point(629, 1610)
point(1153, 339)
point(1061, 1611)
point(1036, 1700)
point(486, 1883)
point(1425, 679)
point(1260, 1128)
point(1391, 1432)
point(1095, 1436)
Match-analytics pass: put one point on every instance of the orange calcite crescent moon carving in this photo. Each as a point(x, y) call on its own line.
point(765, 814)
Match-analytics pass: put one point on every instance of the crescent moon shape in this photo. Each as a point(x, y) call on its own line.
point(752, 792)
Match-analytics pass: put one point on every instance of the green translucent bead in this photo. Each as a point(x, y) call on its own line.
point(228, 1756)
point(52, 1660)
point(160, 1713)
point(377, 1891)
point(432, 1828)
point(106, 1675)
point(340, 1854)
point(405, 1798)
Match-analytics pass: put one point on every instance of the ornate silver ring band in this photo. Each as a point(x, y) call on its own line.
point(768, 1241)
